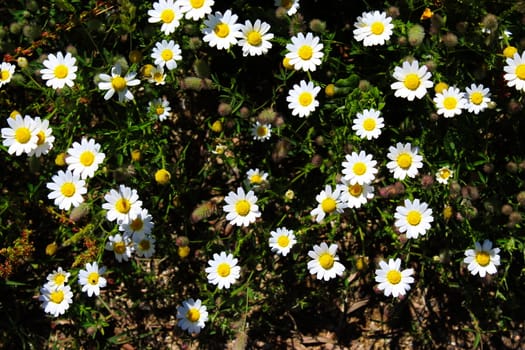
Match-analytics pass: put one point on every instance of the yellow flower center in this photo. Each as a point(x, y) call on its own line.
point(482, 258)
point(404, 160)
point(393, 277)
point(520, 71)
point(254, 38)
point(56, 296)
point(61, 71)
point(305, 52)
point(369, 124)
point(87, 158)
point(377, 28)
point(355, 190)
point(286, 63)
point(305, 98)
point(223, 269)
point(414, 217)
point(283, 241)
point(167, 15)
point(412, 81)
point(476, 97)
point(166, 54)
point(222, 30)
point(41, 137)
point(59, 279)
point(196, 4)
point(158, 77)
point(118, 83)
point(92, 278)
point(159, 110)
point(328, 205)
point(123, 206)
point(444, 173)
point(450, 102)
point(193, 315)
point(256, 179)
point(68, 189)
point(144, 245)
point(359, 168)
point(262, 131)
point(5, 75)
point(137, 224)
point(22, 135)
point(119, 247)
point(326, 260)
point(242, 207)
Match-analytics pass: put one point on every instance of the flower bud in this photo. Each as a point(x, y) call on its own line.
point(416, 34)
point(162, 176)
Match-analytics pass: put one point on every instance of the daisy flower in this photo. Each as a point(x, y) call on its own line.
point(305, 52)
point(414, 218)
point(122, 205)
point(325, 263)
point(368, 124)
point(166, 53)
point(354, 196)
point(56, 301)
point(21, 136)
point(45, 137)
point(329, 201)
point(444, 174)
point(144, 245)
point(515, 71)
point(359, 168)
point(91, 278)
point(291, 6)
point(121, 246)
point(192, 316)
point(161, 108)
point(223, 270)
point(404, 161)
point(60, 70)
point(141, 225)
point(241, 208)
point(373, 28)
point(392, 280)
point(255, 39)
point(221, 30)
point(478, 98)
point(450, 102)
point(57, 279)
point(256, 177)
point(196, 9)
point(261, 132)
point(157, 76)
point(66, 189)
point(282, 240)
point(168, 13)
point(84, 158)
point(301, 98)
point(412, 80)
point(482, 259)
point(6, 73)
point(117, 83)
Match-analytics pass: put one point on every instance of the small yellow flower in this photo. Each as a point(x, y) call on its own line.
point(509, 51)
point(361, 263)
point(289, 195)
point(162, 176)
point(427, 13)
point(440, 87)
point(447, 212)
point(183, 251)
point(146, 70)
point(136, 155)
point(51, 249)
point(14, 113)
point(286, 63)
point(329, 90)
point(216, 126)
point(60, 159)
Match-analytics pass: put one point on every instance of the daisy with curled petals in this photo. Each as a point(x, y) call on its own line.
point(144, 245)
point(66, 190)
point(6, 73)
point(56, 301)
point(84, 158)
point(515, 71)
point(91, 278)
point(141, 225)
point(261, 131)
point(192, 316)
point(222, 30)
point(325, 263)
point(60, 70)
point(117, 83)
point(57, 278)
point(196, 9)
point(167, 12)
point(305, 52)
point(404, 160)
point(478, 98)
point(161, 108)
point(255, 39)
point(359, 168)
point(256, 177)
point(282, 240)
point(412, 80)
point(21, 136)
point(329, 201)
point(450, 102)
point(45, 138)
point(166, 53)
point(444, 174)
point(291, 6)
point(482, 259)
point(121, 246)
point(157, 76)
point(414, 218)
point(241, 208)
point(373, 28)
point(123, 205)
point(301, 98)
point(368, 124)
point(393, 281)
point(355, 195)
point(223, 270)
